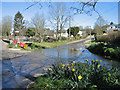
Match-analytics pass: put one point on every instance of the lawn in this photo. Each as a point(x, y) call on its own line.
point(53, 44)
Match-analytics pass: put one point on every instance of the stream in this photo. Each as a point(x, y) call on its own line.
point(19, 72)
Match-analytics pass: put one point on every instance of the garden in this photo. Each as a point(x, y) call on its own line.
point(91, 75)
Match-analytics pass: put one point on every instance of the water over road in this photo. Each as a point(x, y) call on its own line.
point(19, 72)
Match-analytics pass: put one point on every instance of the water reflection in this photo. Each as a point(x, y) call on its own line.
point(76, 52)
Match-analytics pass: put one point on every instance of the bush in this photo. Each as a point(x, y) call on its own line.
point(30, 32)
point(11, 45)
point(113, 37)
point(78, 75)
point(63, 38)
point(106, 49)
point(34, 46)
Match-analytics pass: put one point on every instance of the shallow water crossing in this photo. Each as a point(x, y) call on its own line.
point(19, 72)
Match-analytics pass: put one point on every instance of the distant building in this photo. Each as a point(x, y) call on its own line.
point(79, 33)
point(113, 27)
point(49, 33)
point(63, 33)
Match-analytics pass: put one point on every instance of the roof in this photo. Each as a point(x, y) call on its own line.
point(62, 31)
point(49, 33)
point(112, 25)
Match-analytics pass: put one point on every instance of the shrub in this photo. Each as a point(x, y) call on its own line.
point(63, 38)
point(105, 49)
point(11, 45)
point(78, 75)
point(111, 37)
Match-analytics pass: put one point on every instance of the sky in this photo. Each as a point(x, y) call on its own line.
point(108, 10)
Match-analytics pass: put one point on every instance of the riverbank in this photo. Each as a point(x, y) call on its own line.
point(107, 50)
point(9, 53)
point(59, 43)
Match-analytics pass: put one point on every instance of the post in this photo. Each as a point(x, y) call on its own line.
point(69, 26)
point(90, 34)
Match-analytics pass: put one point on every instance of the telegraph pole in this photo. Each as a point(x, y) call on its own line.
point(69, 26)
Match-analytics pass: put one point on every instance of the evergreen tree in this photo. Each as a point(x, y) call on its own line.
point(73, 31)
point(18, 23)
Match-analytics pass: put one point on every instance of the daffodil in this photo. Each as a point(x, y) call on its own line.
point(93, 60)
point(102, 42)
point(72, 64)
point(79, 77)
point(97, 60)
point(73, 69)
point(73, 61)
point(100, 60)
point(47, 85)
point(98, 65)
point(87, 60)
point(63, 65)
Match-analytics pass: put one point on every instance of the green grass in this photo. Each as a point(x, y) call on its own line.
point(57, 43)
point(52, 44)
point(43, 45)
point(91, 75)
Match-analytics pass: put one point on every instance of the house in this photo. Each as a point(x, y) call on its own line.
point(49, 33)
point(113, 27)
point(63, 33)
point(81, 33)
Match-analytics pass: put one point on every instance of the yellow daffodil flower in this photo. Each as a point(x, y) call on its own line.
point(47, 85)
point(98, 65)
point(73, 69)
point(100, 60)
point(93, 60)
point(73, 61)
point(97, 60)
point(79, 77)
point(63, 65)
point(72, 64)
point(87, 60)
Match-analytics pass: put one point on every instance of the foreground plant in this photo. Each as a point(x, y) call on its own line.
point(89, 75)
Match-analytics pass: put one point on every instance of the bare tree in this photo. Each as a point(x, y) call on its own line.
point(83, 6)
point(86, 7)
point(6, 25)
point(39, 23)
point(58, 17)
point(100, 21)
point(63, 18)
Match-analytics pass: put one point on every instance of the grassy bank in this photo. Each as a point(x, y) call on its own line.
point(53, 44)
point(42, 45)
point(91, 75)
point(108, 50)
